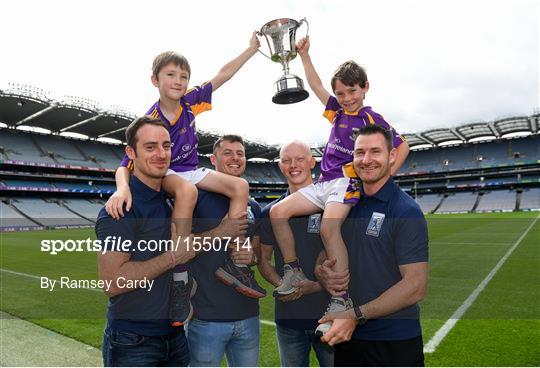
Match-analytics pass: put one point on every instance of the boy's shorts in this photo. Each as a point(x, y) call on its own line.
point(320, 194)
point(193, 176)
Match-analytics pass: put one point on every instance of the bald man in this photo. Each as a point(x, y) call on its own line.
point(296, 314)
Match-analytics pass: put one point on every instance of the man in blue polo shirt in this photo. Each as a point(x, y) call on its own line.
point(297, 314)
point(226, 319)
point(387, 240)
point(139, 332)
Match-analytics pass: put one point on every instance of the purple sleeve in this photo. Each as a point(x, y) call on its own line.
point(332, 106)
point(200, 98)
point(125, 161)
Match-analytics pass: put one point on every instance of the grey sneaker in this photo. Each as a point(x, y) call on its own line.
point(290, 276)
point(180, 309)
point(337, 304)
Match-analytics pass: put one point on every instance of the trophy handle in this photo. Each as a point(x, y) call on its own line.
point(300, 24)
point(259, 34)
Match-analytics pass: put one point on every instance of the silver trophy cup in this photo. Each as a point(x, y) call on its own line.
point(280, 35)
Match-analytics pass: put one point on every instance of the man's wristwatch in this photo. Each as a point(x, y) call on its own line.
point(360, 317)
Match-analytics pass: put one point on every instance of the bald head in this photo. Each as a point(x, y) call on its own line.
point(297, 145)
point(296, 162)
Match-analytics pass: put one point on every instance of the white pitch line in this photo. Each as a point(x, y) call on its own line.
point(263, 321)
point(439, 336)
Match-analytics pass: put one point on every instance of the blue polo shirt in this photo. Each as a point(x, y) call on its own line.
point(140, 311)
point(215, 301)
point(303, 313)
point(384, 231)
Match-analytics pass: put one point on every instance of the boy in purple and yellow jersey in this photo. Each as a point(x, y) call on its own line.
point(347, 114)
point(177, 107)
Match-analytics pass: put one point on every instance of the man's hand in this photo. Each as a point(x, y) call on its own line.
point(302, 46)
point(334, 282)
point(115, 204)
point(304, 287)
point(233, 228)
point(241, 255)
point(343, 325)
point(184, 253)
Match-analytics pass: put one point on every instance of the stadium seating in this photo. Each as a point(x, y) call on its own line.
point(428, 202)
point(10, 218)
point(18, 146)
point(48, 213)
point(458, 202)
point(85, 208)
point(530, 199)
point(497, 200)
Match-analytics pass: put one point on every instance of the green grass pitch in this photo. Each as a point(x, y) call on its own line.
point(501, 328)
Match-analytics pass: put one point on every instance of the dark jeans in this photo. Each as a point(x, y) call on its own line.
point(295, 345)
point(122, 349)
point(362, 353)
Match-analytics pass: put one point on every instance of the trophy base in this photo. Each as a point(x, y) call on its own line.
point(290, 89)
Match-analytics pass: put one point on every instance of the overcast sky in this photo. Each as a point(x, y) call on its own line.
point(431, 64)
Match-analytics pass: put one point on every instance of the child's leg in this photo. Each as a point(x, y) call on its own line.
point(237, 189)
point(185, 199)
point(294, 205)
point(333, 217)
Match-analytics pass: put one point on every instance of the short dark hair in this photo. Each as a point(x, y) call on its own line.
point(133, 128)
point(376, 129)
point(168, 57)
point(349, 73)
point(229, 138)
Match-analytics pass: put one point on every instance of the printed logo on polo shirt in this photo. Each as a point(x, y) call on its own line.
point(375, 224)
point(250, 215)
point(314, 224)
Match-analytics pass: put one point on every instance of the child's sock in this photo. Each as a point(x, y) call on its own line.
point(180, 273)
point(294, 263)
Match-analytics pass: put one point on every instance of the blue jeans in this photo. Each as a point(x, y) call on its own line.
point(122, 349)
point(294, 347)
point(239, 341)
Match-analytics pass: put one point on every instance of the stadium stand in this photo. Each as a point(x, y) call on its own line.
point(530, 199)
point(487, 171)
point(48, 213)
point(497, 200)
point(429, 202)
point(12, 218)
point(458, 202)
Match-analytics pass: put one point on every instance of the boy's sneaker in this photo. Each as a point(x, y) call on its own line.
point(290, 276)
point(337, 304)
point(241, 278)
point(181, 310)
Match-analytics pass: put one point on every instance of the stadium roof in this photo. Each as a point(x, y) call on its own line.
point(28, 106)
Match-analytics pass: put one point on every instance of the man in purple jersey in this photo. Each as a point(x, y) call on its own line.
point(347, 114)
point(177, 107)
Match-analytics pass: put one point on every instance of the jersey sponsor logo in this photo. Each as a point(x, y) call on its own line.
point(354, 134)
point(186, 147)
point(314, 224)
point(375, 224)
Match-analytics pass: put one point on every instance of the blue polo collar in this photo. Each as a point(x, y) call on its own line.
point(384, 194)
point(143, 191)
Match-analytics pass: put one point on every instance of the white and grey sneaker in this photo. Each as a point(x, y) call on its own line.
point(290, 276)
point(337, 304)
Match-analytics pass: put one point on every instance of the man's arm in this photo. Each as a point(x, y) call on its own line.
point(265, 265)
point(312, 77)
point(230, 69)
point(402, 151)
point(409, 290)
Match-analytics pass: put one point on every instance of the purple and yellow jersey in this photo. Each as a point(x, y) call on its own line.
point(340, 147)
point(182, 130)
